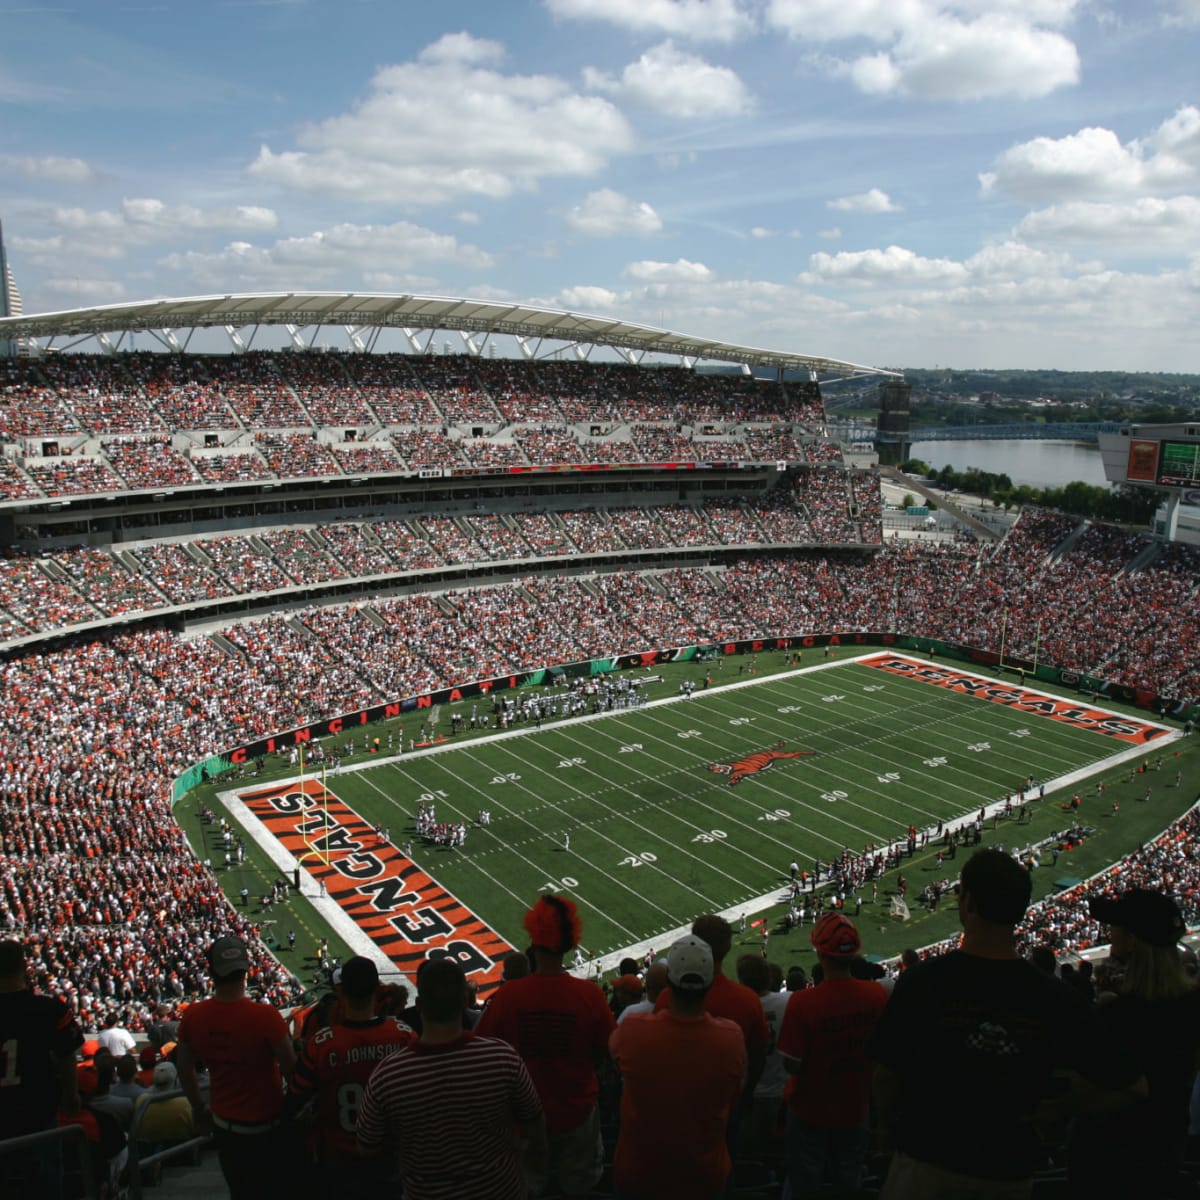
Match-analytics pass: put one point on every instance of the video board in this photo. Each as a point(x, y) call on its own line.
point(1179, 465)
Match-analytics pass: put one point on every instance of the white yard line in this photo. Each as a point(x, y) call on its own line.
point(360, 943)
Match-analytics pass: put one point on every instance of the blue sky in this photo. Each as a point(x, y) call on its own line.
point(968, 183)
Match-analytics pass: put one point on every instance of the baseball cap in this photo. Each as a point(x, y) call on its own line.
point(359, 977)
point(91, 1048)
point(690, 964)
point(148, 1057)
point(1151, 917)
point(166, 1077)
point(835, 936)
point(227, 955)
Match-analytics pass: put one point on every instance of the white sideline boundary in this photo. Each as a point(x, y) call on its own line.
point(358, 942)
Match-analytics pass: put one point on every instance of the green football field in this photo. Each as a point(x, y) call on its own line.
point(657, 836)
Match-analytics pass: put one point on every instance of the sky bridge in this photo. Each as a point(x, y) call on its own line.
point(1062, 431)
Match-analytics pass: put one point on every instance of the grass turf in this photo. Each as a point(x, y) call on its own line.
point(656, 837)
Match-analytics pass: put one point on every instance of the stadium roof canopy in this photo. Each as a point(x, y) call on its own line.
point(364, 315)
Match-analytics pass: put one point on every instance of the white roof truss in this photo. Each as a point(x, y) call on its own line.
point(360, 313)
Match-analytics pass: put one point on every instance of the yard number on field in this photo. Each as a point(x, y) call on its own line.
point(638, 860)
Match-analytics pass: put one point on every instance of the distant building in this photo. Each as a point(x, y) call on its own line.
point(10, 298)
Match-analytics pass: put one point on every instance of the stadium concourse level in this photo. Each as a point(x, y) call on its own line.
point(92, 735)
point(76, 424)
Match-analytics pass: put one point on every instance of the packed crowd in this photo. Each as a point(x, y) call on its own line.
point(93, 733)
point(437, 411)
point(1053, 590)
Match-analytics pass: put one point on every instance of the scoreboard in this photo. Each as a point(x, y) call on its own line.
point(1166, 462)
point(1180, 464)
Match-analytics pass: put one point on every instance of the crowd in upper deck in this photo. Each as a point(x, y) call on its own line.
point(86, 425)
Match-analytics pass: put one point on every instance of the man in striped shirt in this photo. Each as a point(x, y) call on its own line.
point(447, 1105)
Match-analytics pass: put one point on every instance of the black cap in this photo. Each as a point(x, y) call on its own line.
point(1151, 917)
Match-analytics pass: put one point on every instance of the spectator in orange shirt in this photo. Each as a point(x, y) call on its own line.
point(682, 1071)
point(823, 1045)
point(732, 1000)
point(560, 1025)
point(248, 1052)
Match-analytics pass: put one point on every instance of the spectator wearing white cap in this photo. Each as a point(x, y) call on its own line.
point(682, 1071)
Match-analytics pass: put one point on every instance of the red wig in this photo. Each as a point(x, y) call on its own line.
point(553, 924)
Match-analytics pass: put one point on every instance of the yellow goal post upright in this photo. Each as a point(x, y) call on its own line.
point(319, 848)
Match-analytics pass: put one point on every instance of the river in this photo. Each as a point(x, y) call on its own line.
point(1039, 464)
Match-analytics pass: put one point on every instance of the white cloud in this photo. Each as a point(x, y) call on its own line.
point(1094, 162)
point(994, 264)
point(1145, 224)
point(1015, 260)
point(836, 20)
point(112, 234)
point(675, 83)
point(327, 255)
point(1183, 12)
point(977, 60)
point(57, 250)
point(608, 214)
point(451, 124)
point(874, 201)
point(702, 20)
point(585, 298)
point(467, 217)
point(388, 281)
point(155, 218)
point(680, 271)
point(869, 266)
point(243, 218)
point(942, 49)
point(831, 233)
point(49, 167)
point(89, 291)
point(761, 231)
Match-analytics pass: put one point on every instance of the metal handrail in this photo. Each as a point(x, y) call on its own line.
point(62, 1133)
point(175, 1150)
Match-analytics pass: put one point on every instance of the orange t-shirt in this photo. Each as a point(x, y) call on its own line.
point(826, 1029)
point(235, 1040)
point(560, 1026)
point(681, 1078)
point(735, 1002)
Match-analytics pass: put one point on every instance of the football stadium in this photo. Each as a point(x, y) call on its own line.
point(349, 625)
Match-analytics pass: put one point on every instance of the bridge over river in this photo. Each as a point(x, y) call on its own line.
point(1060, 431)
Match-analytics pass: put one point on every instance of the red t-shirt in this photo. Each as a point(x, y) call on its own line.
point(235, 1040)
point(335, 1064)
point(560, 1026)
point(826, 1029)
point(735, 1002)
point(681, 1077)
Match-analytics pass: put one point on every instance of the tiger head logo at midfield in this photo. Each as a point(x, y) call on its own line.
point(753, 763)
